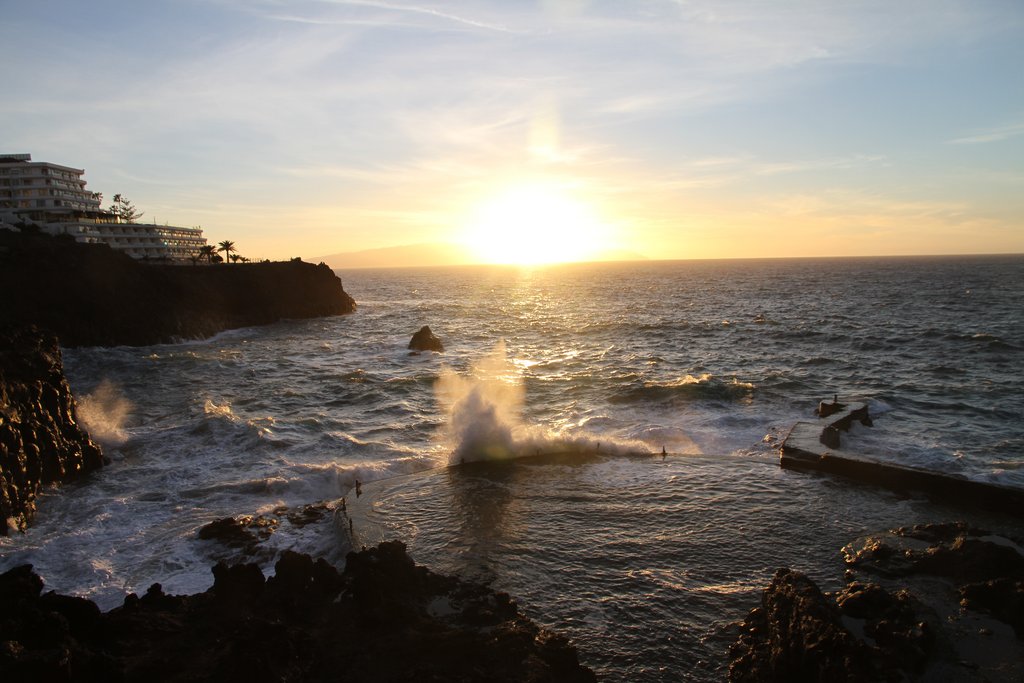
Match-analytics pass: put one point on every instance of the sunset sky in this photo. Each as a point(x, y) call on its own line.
point(670, 128)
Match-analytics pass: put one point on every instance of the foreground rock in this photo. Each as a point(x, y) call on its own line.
point(91, 295)
point(40, 442)
point(425, 340)
point(383, 619)
point(940, 602)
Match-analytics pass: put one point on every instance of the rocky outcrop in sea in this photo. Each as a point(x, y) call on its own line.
point(426, 340)
point(40, 441)
point(382, 619)
point(91, 295)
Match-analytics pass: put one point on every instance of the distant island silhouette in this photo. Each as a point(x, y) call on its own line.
point(429, 254)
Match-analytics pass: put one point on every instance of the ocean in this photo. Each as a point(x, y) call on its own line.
point(559, 388)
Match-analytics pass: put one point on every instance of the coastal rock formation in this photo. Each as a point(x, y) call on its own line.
point(425, 340)
point(91, 295)
point(383, 619)
point(40, 442)
point(930, 602)
point(245, 533)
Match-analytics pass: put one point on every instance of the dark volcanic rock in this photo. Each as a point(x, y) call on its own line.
point(40, 442)
point(383, 619)
point(425, 340)
point(91, 295)
point(797, 635)
point(930, 612)
point(245, 533)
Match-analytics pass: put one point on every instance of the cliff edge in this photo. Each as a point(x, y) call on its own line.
point(91, 295)
point(40, 442)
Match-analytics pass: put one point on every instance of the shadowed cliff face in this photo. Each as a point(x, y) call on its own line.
point(40, 442)
point(90, 295)
point(383, 619)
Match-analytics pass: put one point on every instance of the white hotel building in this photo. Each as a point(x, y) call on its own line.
point(54, 199)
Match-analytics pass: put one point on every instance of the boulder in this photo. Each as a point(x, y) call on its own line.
point(425, 340)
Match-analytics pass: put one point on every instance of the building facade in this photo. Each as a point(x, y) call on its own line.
point(54, 199)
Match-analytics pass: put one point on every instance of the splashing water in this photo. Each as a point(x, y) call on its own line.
point(484, 417)
point(104, 413)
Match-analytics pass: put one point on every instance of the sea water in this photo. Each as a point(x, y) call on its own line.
point(711, 361)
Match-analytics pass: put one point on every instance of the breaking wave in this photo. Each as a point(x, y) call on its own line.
point(484, 417)
point(687, 388)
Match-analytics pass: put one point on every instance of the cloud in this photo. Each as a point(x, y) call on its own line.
point(991, 135)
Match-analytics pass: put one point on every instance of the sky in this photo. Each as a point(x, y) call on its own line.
point(544, 130)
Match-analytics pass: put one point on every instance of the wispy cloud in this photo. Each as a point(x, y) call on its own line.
point(995, 134)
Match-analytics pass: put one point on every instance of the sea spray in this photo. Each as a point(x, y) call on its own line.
point(484, 417)
point(104, 413)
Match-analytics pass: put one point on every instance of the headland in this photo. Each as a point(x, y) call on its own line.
point(91, 295)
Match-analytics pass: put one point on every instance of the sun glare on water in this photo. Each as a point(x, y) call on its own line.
point(535, 225)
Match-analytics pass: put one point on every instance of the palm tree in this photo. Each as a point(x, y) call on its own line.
point(208, 251)
point(227, 246)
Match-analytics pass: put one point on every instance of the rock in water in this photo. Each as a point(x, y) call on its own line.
point(797, 635)
point(425, 340)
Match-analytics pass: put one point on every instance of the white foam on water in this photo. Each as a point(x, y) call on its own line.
point(484, 412)
point(103, 413)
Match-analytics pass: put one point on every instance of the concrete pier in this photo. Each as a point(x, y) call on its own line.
point(812, 446)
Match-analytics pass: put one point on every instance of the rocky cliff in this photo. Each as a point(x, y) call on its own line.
point(90, 295)
point(40, 442)
point(382, 619)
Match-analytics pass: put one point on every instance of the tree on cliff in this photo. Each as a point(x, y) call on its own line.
point(124, 209)
point(208, 251)
point(227, 246)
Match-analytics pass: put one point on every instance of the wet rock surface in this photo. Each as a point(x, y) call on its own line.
point(91, 295)
point(245, 533)
point(425, 340)
point(383, 619)
point(938, 602)
point(40, 441)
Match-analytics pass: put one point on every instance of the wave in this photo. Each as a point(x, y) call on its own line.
point(103, 413)
point(484, 418)
point(705, 387)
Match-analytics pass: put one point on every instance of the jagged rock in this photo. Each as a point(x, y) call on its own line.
point(40, 441)
point(915, 620)
point(245, 533)
point(383, 619)
point(425, 340)
point(91, 295)
point(1003, 598)
point(797, 635)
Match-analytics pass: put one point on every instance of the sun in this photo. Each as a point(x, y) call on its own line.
point(534, 224)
